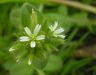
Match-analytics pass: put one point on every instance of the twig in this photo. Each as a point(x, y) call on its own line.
point(76, 5)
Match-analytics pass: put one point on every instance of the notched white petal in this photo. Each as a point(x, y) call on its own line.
point(32, 44)
point(58, 31)
point(24, 38)
point(11, 49)
point(37, 29)
point(55, 25)
point(51, 28)
point(40, 37)
point(61, 36)
point(28, 31)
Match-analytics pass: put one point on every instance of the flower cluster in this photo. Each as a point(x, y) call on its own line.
point(33, 37)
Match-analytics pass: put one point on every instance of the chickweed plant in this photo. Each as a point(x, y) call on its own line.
point(35, 43)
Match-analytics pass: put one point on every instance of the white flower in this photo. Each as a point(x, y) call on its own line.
point(32, 37)
point(56, 31)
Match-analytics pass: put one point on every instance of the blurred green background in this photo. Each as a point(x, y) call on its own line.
point(77, 56)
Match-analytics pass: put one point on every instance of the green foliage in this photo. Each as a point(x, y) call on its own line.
point(73, 65)
point(51, 56)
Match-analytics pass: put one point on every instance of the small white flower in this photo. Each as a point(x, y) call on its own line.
point(32, 37)
point(56, 31)
point(11, 49)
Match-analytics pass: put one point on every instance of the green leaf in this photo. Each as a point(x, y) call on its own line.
point(25, 14)
point(15, 18)
point(40, 72)
point(81, 18)
point(21, 69)
point(30, 18)
point(40, 59)
point(63, 10)
point(55, 63)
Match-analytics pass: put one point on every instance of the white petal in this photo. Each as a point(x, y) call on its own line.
point(32, 44)
point(11, 49)
point(29, 62)
point(41, 37)
point(37, 29)
point(51, 28)
point(28, 31)
point(61, 36)
point(58, 31)
point(55, 26)
point(24, 38)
